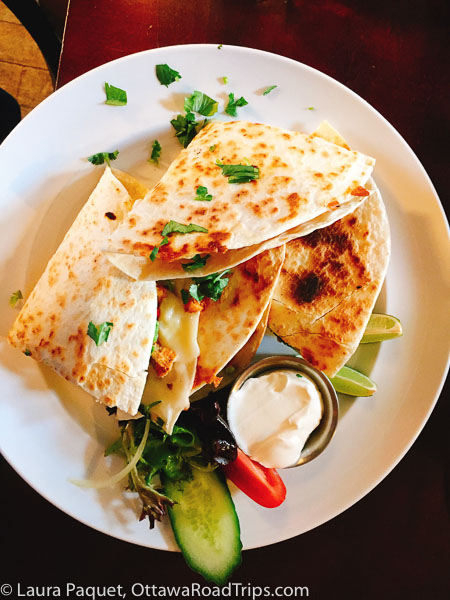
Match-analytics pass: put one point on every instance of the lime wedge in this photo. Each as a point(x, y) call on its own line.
point(351, 382)
point(381, 327)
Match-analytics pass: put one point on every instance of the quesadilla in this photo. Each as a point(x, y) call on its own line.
point(294, 178)
point(226, 325)
point(81, 296)
point(204, 341)
point(143, 269)
point(330, 281)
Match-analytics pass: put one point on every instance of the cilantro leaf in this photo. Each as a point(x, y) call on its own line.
point(202, 194)
point(155, 336)
point(269, 89)
point(27, 352)
point(114, 448)
point(99, 333)
point(154, 253)
point(197, 263)
point(210, 286)
point(166, 75)
point(213, 147)
point(185, 296)
point(115, 96)
point(156, 152)
point(219, 47)
point(200, 103)
point(15, 297)
point(239, 173)
point(234, 104)
point(185, 128)
point(225, 80)
point(310, 107)
point(101, 157)
point(174, 227)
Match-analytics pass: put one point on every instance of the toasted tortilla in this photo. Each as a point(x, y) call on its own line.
point(331, 279)
point(239, 362)
point(226, 325)
point(78, 286)
point(329, 283)
point(142, 269)
point(301, 178)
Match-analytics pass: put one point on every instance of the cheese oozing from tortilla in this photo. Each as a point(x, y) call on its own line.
point(177, 331)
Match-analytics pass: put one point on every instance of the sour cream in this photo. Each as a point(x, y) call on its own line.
point(273, 415)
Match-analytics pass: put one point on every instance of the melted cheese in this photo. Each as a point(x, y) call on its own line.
point(177, 331)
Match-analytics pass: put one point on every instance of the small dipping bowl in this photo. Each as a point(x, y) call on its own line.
point(321, 436)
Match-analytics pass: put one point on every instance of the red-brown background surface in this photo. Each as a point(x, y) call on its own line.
point(395, 543)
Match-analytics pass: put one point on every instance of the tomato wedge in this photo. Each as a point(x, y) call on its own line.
point(261, 484)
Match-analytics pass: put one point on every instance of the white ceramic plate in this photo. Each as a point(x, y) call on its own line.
point(51, 431)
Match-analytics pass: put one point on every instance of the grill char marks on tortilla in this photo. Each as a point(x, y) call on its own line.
point(287, 193)
point(336, 259)
point(329, 283)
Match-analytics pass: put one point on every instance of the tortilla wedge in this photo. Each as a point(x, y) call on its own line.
point(226, 325)
point(330, 281)
point(80, 286)
point(300, 178)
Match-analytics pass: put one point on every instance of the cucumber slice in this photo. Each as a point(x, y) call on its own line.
point(205, 524)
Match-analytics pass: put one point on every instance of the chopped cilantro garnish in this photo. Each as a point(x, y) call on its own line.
point(225, 80)
point(185, 296)
point(155, 337)
point(156, 152)
point(197, 263)
point(101, 157)
point(234, 104)
point(166, 75)
point(174, 227)
point(115, 447)
point(154, 252)
point(115, 96)
point(15, 297)
point(210, 286)
point(239, 173)
point(202, 194)
point(185, 128)
point(99, 333)
point(269, 89)
point(213, 147)
point(310, 107)
point(200, 103)
point(27, 352)
point(219, 47)
point(298, 375)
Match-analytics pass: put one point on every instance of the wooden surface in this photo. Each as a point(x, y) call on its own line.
point(395, 542)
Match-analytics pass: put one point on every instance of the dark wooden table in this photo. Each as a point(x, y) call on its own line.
point(395, 542)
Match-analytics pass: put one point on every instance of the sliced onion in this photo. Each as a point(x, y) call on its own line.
point(101, 483)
